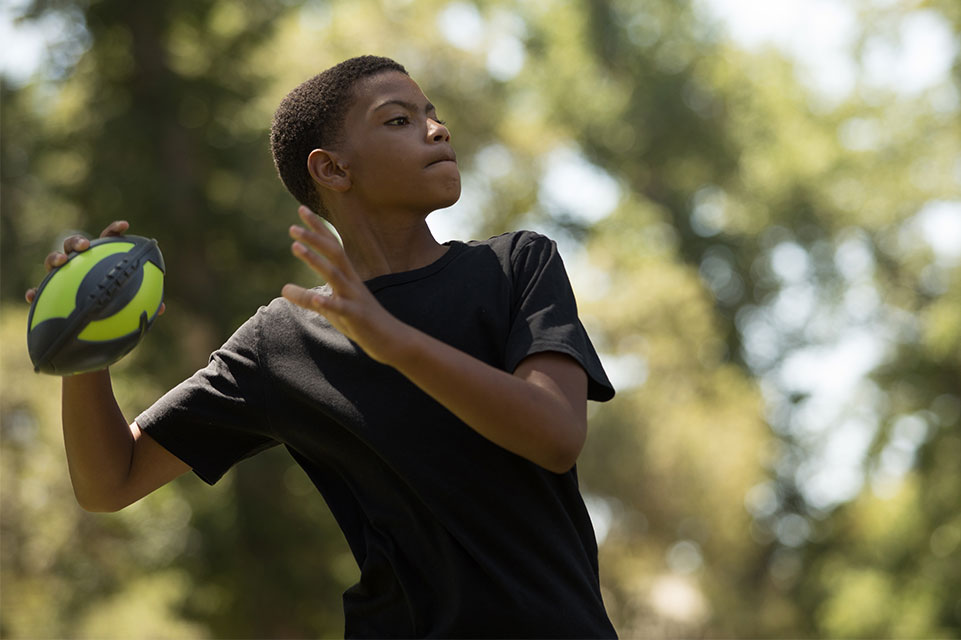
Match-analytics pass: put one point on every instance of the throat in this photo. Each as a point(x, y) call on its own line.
point(374, 259)
point(380, 242)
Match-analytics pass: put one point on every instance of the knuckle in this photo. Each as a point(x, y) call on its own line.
point(72, 243)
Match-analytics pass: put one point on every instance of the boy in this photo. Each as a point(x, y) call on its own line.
point(434, 393)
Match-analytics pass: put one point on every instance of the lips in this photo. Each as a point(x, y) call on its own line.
point(447, 156)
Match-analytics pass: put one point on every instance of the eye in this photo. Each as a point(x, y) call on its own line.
point(398, 121)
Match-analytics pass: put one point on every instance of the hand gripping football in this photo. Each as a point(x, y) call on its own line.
point(93, 309)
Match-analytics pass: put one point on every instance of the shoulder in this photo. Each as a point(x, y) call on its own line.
point(526, 258)
point(509, 246)
point(280, 317)
point(512, 239)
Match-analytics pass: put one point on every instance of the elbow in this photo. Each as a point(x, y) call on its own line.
point(93, 506)
point(99, 507)
point(98, 504)
point(559, 467)
point(561, 462)
point(563, 455)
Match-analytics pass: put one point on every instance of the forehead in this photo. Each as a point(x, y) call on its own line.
point(374, 90)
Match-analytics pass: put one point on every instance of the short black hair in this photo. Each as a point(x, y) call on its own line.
point(312, 117)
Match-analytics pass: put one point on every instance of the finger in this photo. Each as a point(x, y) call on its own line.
point(75, 243)
point(312, 219)
point(306, 298)
point(54, 260)
point(327, 246)
point(115, 228)
point(30, 295)
point(317, 224)
point(319, 227)
point(322, 265)
point(163, 307)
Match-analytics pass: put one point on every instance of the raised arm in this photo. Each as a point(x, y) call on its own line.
point(112, 464)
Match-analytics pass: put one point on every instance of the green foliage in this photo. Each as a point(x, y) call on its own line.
point(755, 224)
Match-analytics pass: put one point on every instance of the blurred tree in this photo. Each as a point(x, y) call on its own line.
point(802, 221)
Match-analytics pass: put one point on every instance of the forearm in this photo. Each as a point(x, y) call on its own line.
point(97, 439)
point(519, 415)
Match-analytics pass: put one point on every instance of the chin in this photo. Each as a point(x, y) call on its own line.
point(448, 196)
point(454, 197)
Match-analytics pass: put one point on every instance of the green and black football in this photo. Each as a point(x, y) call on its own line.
point(93, 309)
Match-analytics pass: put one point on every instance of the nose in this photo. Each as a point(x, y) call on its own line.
point(436, 132)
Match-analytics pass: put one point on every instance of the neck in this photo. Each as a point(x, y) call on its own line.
point(381, 244)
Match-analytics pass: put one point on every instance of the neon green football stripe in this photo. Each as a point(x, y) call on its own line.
point(59, 295)
point(127, 320)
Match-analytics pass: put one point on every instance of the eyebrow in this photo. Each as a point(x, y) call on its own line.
point(410, 106)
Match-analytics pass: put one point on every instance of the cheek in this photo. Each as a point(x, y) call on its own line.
point(383, 172)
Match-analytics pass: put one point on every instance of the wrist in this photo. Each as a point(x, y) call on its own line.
point(88, 378)
point(399, 349)
point(386, 343)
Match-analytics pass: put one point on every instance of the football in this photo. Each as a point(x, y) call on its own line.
point(92, 310)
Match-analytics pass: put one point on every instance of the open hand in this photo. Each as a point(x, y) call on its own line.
point(350, 307)
point(78, 243)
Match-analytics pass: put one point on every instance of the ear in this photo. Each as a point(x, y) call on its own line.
point(328, 171)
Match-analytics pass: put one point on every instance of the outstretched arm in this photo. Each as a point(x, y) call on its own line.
point(539, 412)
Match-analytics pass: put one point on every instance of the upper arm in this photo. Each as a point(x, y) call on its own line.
point(544, 313)
point(151, 467)
point(563, 377)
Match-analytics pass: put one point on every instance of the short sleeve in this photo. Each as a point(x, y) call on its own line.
point(544, 313)
point(217, 417)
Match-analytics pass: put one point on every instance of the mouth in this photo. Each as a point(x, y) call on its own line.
point(448, 156)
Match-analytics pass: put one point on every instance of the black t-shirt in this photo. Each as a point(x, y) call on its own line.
point(454, 535)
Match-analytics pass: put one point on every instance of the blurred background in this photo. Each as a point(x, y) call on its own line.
point(758, 203)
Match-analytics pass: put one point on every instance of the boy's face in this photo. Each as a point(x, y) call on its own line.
point(397, 152)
